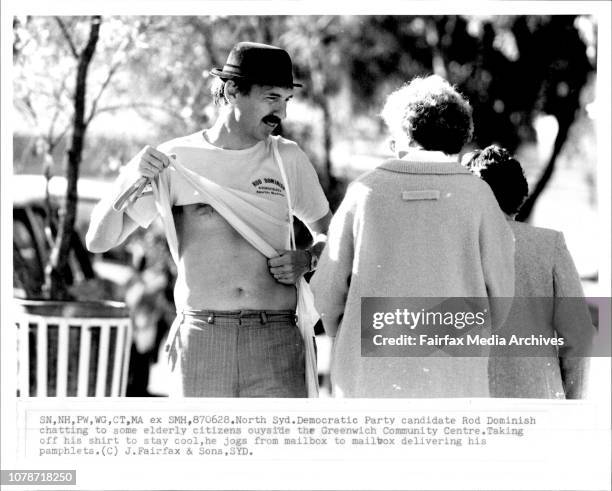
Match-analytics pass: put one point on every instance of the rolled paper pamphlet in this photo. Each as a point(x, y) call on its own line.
point(131, 194)
point(134, 192)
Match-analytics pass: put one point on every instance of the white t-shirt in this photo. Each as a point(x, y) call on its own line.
point(252, 172)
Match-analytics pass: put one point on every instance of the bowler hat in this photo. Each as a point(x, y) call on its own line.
point(259, 63)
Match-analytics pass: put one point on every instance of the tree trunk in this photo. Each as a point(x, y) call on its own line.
point(527, 208)
point(266, 29)
point(55, 287)
point(437, 58)
point(209, 44)
point(322, 101)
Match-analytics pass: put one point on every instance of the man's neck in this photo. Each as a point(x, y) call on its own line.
point(226, 133)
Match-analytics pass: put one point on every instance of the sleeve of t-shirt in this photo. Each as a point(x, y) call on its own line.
point(143, 210)
point(308, 200)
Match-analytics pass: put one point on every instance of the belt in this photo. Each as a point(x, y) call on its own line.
point(263, 315)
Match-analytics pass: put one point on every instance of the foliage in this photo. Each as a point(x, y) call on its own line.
point(511, 69)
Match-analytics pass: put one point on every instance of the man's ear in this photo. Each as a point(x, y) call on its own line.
point(392, 145)
point(229, 91)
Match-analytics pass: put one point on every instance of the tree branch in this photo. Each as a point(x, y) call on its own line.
point(208, 41)
point(111, 72)
point(26, 102)
point(529, 205)
point(142, 114)
point(53, 142)
point(138, 105)
point(94, 104)
point(58, 107)
point(67, 36)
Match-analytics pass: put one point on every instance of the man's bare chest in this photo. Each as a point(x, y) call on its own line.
point(200, 222)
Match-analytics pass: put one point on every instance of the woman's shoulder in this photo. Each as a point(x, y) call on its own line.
point(546, 240)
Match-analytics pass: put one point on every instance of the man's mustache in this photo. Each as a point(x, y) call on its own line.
point(271, 119)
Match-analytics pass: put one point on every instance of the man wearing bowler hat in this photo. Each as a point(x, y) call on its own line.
point(226, 196)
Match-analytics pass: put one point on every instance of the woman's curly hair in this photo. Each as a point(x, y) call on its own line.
point(504, 174)
point(432, 113)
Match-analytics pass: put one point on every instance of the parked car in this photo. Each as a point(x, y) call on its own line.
point(34, 223)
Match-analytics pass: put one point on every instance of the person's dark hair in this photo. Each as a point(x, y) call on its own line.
point(432, 113)
point(504, 174)
point(217, 89)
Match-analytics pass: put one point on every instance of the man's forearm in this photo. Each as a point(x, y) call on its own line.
point(318, 230)
point(107, 228)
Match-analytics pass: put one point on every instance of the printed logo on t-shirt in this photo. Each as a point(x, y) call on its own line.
point(269, 185)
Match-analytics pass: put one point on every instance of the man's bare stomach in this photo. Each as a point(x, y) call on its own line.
point(219, 270)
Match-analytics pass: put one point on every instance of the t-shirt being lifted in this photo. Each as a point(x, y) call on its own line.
point(252, 174)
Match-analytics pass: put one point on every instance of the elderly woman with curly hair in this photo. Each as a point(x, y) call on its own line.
point(549, 300)
point(419, 225)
